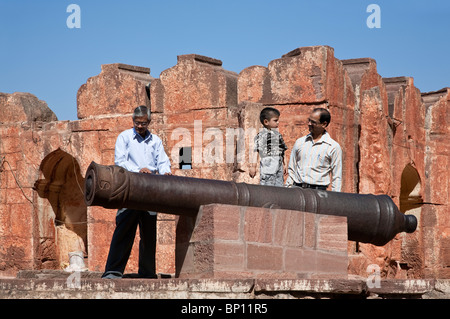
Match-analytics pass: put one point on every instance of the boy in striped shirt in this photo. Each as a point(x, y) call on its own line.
point(271, 148)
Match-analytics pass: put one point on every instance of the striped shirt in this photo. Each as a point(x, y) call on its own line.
point(312, 162)
point(269, 143)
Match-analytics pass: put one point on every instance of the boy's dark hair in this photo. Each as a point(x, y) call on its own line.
point(325, 115)
point(268, 113)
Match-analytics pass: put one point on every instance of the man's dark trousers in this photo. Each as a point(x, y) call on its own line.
point(127, 221)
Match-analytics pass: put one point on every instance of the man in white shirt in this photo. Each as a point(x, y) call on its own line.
point(315, 156)
point(140, 151)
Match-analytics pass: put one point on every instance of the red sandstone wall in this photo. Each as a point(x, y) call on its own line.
point(435, 216)
point(394, 140)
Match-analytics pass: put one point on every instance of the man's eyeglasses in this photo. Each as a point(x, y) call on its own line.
point(141, 123)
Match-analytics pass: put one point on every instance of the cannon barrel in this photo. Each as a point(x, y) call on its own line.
point(371, 218)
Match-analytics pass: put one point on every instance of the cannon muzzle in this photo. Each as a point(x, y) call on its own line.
point(371, 219)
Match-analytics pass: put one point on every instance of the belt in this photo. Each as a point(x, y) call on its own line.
point(305, 185)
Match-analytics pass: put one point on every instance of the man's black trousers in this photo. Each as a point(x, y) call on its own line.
point(127, 221)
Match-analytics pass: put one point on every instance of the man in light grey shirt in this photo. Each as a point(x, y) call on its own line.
point(315, 156)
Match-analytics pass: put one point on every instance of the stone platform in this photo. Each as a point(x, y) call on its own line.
point(55, 284)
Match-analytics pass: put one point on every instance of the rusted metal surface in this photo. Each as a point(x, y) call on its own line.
point(371, 219)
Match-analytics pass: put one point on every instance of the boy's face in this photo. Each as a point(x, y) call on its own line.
point(272, 123)
point(141, 124)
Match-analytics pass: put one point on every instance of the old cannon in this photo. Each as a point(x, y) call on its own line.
point(371, 219)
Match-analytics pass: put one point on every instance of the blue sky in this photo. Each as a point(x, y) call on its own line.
point(41, 55)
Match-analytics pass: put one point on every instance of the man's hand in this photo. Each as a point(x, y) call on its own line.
point(252, 171)
point(285, 171)
point(285, 166)
point(145, 170)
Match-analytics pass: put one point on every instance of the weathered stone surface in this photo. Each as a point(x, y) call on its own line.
point(324, 286)
point(390, 155)
point(304, 69)
point(303, 76)
point(55, 285)
point(196, 82)
point(24, 107)
point(375, 174)
point(371, 107)
point(436, 219)
point(406, 287)
point(118, 89)
point(254, 85)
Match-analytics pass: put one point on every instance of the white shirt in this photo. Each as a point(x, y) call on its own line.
point(133, 152)
point(312, 162)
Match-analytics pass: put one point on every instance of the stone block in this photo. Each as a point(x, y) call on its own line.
point(10, 144)
point(118, 89)
point(22, 221)
point(304, 69)
point(196, 82)
point(15, 196)
point(266, 243)
point(375, 173)
point(258, 225)
point(24, 107)
point(229, 256)
point(222, 224)
point(310, 228)
point(263, 257)
point(254, 85)
point(357, 68)
point(301, 260)
point(165, 259)
point(332, 233)
point(288, 229)
point(15, 253)
point(166, 230)
point(5, 227)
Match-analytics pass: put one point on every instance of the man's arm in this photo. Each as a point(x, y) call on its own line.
point(336, 169)
point(292, 165)
point(121, 154)
point(162, 160)
point(254, 157)
point(252, 167)
point(285, 166)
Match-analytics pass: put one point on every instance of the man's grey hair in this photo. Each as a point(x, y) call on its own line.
point(142, 110)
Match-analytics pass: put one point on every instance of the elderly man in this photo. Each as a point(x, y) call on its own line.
point(315, 156)
point(137, 150)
